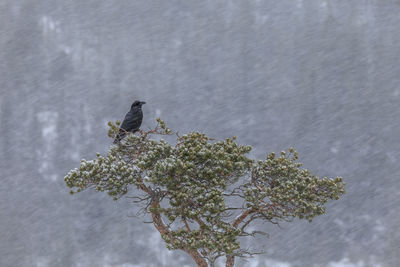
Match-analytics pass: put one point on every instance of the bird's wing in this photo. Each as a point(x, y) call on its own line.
point(132, 121)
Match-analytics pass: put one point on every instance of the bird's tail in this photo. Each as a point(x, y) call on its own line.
point(120, 135)
point(118, 138)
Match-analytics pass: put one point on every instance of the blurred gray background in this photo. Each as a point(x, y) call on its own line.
point(321, 76)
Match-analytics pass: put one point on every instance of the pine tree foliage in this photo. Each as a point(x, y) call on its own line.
point(202, 194)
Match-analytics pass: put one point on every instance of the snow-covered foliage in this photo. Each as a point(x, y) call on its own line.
point(190, 187)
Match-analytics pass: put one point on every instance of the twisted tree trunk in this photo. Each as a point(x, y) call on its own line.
point(163, 229)
point(230, 261)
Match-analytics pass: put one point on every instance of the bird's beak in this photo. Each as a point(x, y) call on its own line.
point(143, 102)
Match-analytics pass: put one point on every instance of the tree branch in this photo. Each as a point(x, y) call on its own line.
point(164, 230)
point(241, 217)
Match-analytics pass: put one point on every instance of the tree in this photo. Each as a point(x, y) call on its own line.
point(203, 195)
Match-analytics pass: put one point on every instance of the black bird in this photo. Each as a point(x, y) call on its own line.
point(132, 121)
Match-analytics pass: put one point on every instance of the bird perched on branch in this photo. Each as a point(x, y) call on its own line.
point(132, 121)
